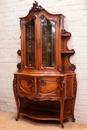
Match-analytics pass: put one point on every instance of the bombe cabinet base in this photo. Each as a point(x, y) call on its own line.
point(53, 98)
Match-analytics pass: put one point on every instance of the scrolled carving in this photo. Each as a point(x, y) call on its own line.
point(72, 67)
point(34, 17)
point(42, 82)
point(14, 84)
point(59, 21)
point(62, 82)
point(21, 24)
point(75, 81)
point(59, 69)
point(75, 86)
point(49, 99)
point(32, 89)
point(57, 81)
point(30, 81)
point(19, 66)
point(36, 7)
point(73, 50)
point(19, 52)
point(42, 16)
point(36, 99)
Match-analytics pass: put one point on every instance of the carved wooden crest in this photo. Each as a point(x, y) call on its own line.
point(36, 7)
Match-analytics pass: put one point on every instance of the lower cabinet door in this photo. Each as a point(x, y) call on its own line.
point(48, 87)
point(26, 86)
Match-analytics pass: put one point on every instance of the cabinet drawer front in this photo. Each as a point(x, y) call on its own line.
point(26, 84)
point(48, 86)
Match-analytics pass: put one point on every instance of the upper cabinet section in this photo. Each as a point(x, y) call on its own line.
point(44, 42)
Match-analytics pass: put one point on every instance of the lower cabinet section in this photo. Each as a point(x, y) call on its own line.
point(45, 97)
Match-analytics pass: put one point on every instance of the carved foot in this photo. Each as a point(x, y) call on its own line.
point(62, 126)
point(17, 118)
point(73, 119)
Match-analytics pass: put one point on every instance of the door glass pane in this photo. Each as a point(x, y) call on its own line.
point(48, 43)
point(30, 44)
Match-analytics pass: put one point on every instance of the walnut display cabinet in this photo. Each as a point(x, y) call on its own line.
point(45, 83)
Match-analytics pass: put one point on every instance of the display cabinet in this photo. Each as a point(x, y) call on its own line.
point(45, 83)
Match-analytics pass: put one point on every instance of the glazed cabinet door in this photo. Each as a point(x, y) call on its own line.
point(48, 88)
point(41, 42)
point(48, 43)
point(49, 53)
point(29, 42)
point(25, 86)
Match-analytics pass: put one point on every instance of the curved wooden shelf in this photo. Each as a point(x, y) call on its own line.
point(65, 33)
point(68, 52)
point(40, 114)
point(43, 115)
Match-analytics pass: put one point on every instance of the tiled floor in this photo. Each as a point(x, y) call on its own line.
point(7, 122)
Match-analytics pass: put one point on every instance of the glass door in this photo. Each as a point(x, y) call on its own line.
point(30, 44)
point(48, 43)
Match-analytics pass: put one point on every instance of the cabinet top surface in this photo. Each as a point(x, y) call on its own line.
point(43, 74)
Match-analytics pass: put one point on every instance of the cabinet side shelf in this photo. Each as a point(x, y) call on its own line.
point(65, 34)
point(67, 51)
